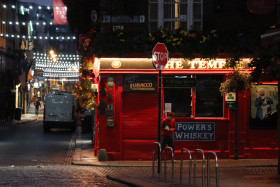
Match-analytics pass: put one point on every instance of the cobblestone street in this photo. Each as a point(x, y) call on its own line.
point(54, 175)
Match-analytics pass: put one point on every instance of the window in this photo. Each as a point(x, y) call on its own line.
point(174, 14)
point(178, 92)
point(208, 101)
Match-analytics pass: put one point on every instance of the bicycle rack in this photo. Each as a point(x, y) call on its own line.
point(203, 166)
point(181, 165)
point(172, 161)
point(208, 168)
point(159, 157)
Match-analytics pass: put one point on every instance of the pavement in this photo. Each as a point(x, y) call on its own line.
point(235, 173)
point(231, 173)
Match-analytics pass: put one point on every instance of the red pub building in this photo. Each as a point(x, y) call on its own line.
point(126, 123)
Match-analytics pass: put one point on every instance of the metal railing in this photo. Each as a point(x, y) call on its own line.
point(208, 168)
point(159, 157)
point(172, 162)
point(181, 165)
point(203, 166)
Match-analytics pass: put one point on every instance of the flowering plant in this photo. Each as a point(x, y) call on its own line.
point(235, 81)
point(82, 90)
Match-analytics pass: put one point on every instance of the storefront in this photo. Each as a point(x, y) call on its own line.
point(126, 122)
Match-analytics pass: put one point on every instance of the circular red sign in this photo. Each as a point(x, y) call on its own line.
point(160, 56)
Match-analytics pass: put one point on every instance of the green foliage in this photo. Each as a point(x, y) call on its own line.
point(235, 81)
point(266, 64)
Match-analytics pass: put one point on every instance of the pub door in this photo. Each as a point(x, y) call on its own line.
point(139, 125)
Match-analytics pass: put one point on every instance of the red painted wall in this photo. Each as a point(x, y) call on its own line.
point(135, 128)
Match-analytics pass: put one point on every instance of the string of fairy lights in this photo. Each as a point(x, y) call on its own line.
point(30, 7)
point(39, 23)
point(64, 65)
point(38, 37)
point(25, 8)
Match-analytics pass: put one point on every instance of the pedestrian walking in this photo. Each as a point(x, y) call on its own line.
point(37, 106)
point(168, 127)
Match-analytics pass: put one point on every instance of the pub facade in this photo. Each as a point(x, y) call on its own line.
point(126, 117)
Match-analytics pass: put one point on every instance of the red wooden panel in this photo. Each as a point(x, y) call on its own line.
point(139, 124)
point(139, 116)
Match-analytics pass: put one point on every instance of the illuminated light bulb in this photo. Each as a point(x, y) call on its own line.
point(10, 23)
point(40, 7)
point(13, 6)
point(4, 6)
point(48, 7)
point(30, 7)
point(3, 22)
point(37, 23)
point(17, 23)
point(23, 23)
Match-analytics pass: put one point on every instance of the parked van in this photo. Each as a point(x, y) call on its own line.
point(59, 111)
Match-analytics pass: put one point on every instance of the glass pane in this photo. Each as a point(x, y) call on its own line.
point(197, 11)
point(180, 99)
point(153, 11)
point(209, 101)
point(168, 10)
point(183, 9)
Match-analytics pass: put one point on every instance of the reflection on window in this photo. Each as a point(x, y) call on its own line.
point(209, 101)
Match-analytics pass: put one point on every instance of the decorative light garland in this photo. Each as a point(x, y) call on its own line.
point(25, 23)
point(61, 79)
point(31, 7)
point(39, 37)
point(70, 74)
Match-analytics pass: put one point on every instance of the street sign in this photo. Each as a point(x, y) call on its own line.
point(230, 99)
point(160, 56)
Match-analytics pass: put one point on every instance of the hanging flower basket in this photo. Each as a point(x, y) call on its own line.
point(236, 81)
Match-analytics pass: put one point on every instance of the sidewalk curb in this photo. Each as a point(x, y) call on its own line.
point(128, 181)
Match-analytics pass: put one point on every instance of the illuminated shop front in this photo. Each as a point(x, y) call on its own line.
point(126, 122)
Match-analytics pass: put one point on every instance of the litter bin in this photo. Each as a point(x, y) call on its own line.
point(87, 122)
point(17, 113)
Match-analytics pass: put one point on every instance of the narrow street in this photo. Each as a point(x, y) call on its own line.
point(30, 157)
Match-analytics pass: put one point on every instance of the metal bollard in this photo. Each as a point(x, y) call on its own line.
point(153, 165)
point(208, 168)
point(203, 166)
point(172, 161)
point(181, 165)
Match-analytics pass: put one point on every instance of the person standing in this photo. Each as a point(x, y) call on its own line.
point(37, 106)
point(168, 127)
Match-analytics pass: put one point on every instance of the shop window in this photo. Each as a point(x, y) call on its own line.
point(208, 101)
point(178, 94)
